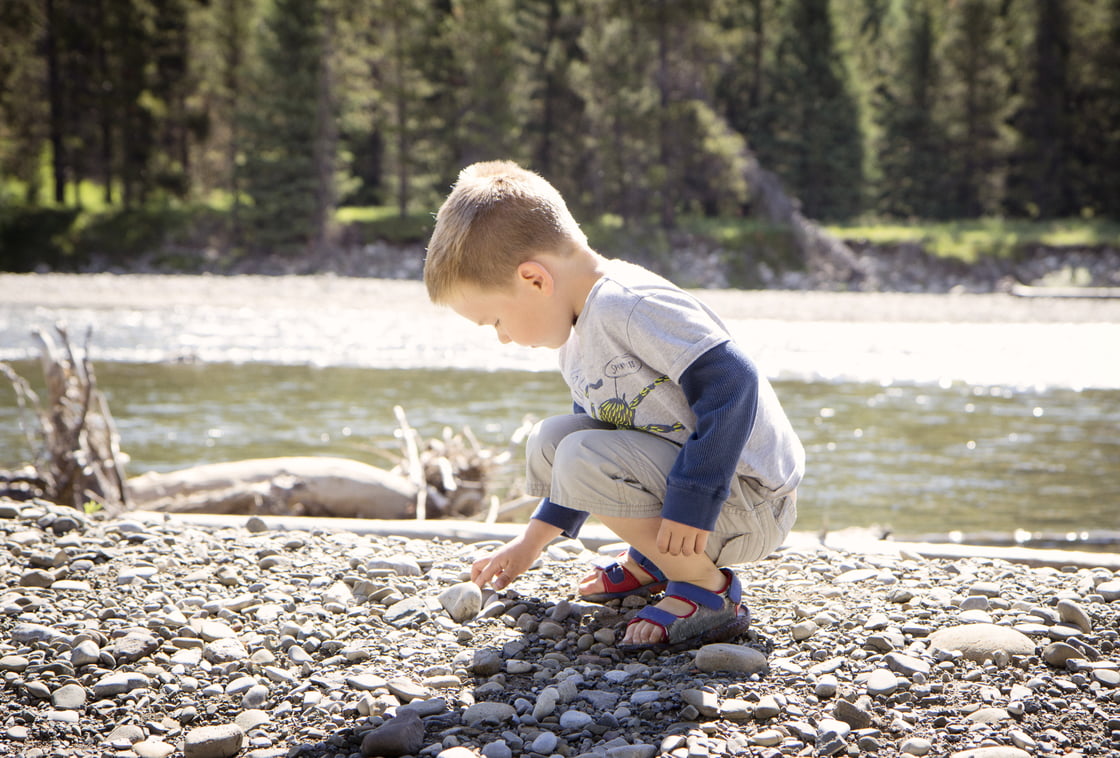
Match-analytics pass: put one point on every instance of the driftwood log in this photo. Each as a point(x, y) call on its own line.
point(76, 446)
point(295, 486)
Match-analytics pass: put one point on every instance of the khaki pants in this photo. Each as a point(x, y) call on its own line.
point(587, 465)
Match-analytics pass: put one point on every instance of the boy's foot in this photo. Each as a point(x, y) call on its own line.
point(689, 616)
point(630, 573)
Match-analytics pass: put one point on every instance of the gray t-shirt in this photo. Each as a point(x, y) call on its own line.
point(636, 335)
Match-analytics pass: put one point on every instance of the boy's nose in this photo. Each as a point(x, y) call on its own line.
point(503, 337)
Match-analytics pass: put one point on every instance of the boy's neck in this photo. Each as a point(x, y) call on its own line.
point(576, 275)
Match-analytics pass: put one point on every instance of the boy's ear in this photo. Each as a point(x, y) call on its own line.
point(536, 276)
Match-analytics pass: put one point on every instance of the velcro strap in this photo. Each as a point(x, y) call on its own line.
point(655, 615)
point(647, 564)
point(707, 598)
point(615, 573)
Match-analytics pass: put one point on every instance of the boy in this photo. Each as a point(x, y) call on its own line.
point(676, 443)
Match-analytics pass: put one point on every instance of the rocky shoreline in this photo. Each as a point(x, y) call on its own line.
point(905, 267)
point(124, 638)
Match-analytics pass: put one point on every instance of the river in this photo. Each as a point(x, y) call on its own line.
point(920, 414)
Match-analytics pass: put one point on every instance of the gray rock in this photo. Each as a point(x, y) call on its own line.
point(401, 735)
point(1057, 653)
point(1109, 590)
point(979, 642)
point(85, 653)
point(995, 751)
point(225, 651)
point(133, 646)
point(826, 686)
point(728, 657)
point(881, 682)
point(547, 700)
point(69, 696)
point(118, 683)
point(497, 749)
point(488, 713)
point(29, 634)
point(401, 565)
point(906, 665)
point(574, 719)
point(462, 601)
point(36, 578)
point(485, 662)
point(221, 741)
point(989, 716)
point(707, 703)
point(153, 748)
point(767, 707)
point(918, 746)
point(14, 663)
point(1072, 613)
point(544, 743)
point(129, 733)
point(857, 714)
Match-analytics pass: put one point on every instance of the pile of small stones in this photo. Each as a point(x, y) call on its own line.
point(122, 638)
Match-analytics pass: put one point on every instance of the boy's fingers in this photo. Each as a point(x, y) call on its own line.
point(483, 570)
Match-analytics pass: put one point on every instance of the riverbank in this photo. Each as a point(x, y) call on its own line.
point(146, 639)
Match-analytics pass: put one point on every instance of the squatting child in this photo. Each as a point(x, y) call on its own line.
point(676, 442)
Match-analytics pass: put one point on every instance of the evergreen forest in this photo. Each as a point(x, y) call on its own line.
point(256, 121)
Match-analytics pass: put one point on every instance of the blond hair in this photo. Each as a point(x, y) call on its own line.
point(497, 216)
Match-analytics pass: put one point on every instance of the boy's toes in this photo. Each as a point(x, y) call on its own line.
point(643, 633)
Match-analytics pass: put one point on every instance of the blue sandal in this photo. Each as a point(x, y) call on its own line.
point(619, 581)
point(715, 617)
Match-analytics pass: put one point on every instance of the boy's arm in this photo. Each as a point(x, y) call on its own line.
point(721, 387)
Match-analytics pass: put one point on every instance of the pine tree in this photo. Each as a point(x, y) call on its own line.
point(974, 107)
point(554, 114)
point(814, 143)
point(23, 112)
point(910, 147)
point(289, 155)
point(1038, 184)
point(1095, 173)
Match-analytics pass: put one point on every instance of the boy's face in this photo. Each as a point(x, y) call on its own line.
point(528, 313)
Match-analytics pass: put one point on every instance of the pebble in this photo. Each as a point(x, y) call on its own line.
point(915, 746)
point(400, 735)
point(462, 601)
point(265, 642)
point(222, 741)
point(732, 658)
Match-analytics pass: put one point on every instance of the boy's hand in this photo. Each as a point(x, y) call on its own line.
point(676, 538)
point(503, 566)
point(512, 559)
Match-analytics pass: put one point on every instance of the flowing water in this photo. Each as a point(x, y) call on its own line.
point(916, 459)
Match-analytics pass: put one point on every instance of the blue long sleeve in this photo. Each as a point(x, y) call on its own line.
point(721, 387)
point(568, 519)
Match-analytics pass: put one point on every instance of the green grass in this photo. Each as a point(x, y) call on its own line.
point(971, 240)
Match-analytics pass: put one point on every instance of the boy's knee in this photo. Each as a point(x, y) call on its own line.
point(575, 452)
point(543, 438)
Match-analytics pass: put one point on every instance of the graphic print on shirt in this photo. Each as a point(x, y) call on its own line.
point(618, 410)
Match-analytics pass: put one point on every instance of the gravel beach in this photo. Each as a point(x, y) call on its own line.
point(124, 637)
